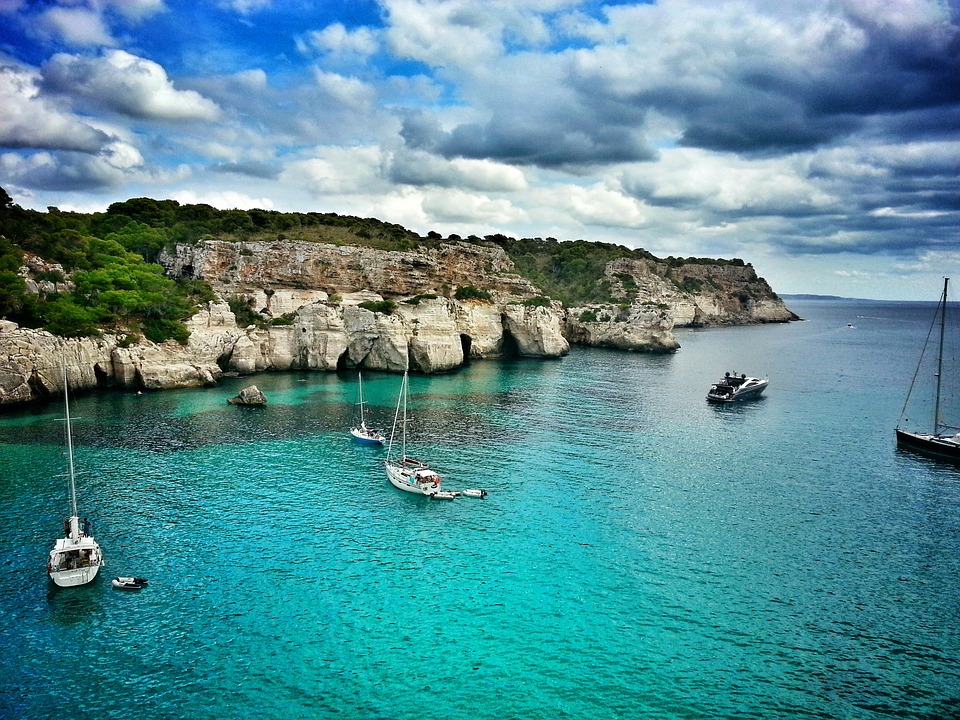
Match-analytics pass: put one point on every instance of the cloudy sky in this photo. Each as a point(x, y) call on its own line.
point(817, 139)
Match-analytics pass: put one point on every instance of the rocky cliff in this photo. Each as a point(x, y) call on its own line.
point(323, 307)
point(433, 335)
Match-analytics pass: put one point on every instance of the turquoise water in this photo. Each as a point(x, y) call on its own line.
point(641, 553)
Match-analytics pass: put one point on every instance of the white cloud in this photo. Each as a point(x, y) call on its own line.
point(85, 23)
point(77, 26)
point(346, 91)
point(337, 171)
point(419, 168)
point(726, 183)
point(889, 212)
point(127, 84)
point(29, 120)
point(134, 10)
point(462, 34)
point(460, 206)
point(223, 199)
point(70, 170)
point(767, 130)
point(245, 7)
point(338, 40)
point(455, 34)
point(255, 79)
point(599, 205)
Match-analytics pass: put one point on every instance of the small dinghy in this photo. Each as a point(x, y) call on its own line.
point(443, 495)
point(129, 583)
point(472, 492)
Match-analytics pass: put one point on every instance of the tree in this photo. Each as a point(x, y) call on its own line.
point(156, 213)
point(12, 291)
point(141, 239)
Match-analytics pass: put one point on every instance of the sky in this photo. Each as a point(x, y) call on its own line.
point(818, 140)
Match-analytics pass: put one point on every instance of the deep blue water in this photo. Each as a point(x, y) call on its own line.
point(641, 553)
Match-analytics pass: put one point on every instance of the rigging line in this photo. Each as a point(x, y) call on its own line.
point(923, 352)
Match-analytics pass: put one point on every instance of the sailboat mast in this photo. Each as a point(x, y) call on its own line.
point(66, 405)
point(404, 436)
point(360, 383)
point(943, 322)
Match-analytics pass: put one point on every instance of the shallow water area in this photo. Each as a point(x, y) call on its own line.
point(641, 552)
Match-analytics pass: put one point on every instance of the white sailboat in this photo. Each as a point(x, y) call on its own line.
point(361, 433)
point(405, 473)
point(76, 558)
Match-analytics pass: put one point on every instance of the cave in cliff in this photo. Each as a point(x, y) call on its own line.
point(102, 376)
point(510, 347)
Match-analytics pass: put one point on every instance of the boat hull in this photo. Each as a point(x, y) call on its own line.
point(404, 478)
point(740, 396)
point(366, 439)
point(940, 447)
point(73, 563)
point(74, 578)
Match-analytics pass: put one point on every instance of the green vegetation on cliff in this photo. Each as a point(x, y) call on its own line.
point(572, 272)
point(114, 288)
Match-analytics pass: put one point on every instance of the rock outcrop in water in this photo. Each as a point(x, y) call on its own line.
point(250, 396)
point(323, 307)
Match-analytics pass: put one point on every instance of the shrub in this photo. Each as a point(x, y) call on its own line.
point(245, 314)
point(382, 306)
point(160, 329)
point(415, 300)
point(469, 292)
point(285, 319)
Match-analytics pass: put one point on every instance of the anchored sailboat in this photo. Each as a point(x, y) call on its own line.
point(943, 442)
point(361, 433)
point(76, 558)
point(405, 473)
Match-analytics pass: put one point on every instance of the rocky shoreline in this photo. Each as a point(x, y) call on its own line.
point(324, 295)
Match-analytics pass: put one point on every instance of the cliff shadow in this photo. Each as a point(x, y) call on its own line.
point(466, 342)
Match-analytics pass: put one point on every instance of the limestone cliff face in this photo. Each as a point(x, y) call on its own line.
point(31, 364)
point(434, 335)
point(698, 293)
point(640, 327)
point(279, 274)
point(323, 286)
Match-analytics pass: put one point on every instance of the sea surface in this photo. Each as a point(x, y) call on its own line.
point(640, 554)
